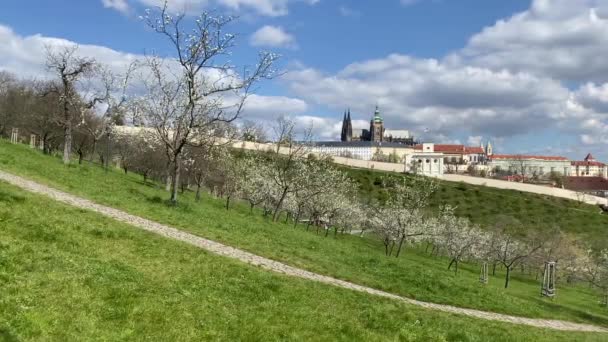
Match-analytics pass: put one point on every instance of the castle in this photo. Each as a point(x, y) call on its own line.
point(376, 133)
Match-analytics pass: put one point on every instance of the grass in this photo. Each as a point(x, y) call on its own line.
point(351, 258)
point(67, 274)
point(483, 204)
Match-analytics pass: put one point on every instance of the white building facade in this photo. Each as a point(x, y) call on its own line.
point(426, 161)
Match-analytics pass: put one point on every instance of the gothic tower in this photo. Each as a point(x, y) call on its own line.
point(347, 128)
point(376, 127)
point(343, 134)
point(489, 149)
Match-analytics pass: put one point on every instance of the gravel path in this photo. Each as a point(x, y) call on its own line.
point(275, 266)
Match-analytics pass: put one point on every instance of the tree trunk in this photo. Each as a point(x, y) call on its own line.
point(251, 205)
point(451, 263)
point(67, 140)
point(399, 248)
point(80, 158)
point(175, 181)
point(227, 202)
point(279, 205)
point(493, 269)
point(198, 193)
point(508, 275)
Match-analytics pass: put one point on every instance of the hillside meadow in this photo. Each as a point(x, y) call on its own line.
point(353, 258)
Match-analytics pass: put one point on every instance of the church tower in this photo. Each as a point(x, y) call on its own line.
point(347, 128)
point(376, 127)
point(489, 149)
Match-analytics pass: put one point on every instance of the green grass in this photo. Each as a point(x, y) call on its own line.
point(351, 258)
point(483, 204)
point(68, 274)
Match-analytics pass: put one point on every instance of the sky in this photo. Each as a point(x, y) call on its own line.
point(530, 76)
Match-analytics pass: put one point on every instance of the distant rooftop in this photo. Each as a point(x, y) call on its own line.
point(359, 144)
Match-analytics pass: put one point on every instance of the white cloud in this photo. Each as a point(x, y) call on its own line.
point(269, 107)
point(271, 8)
point(425, 93)
point(119, 5)
point(272, 36)
point(563, 39)
point(25, 57)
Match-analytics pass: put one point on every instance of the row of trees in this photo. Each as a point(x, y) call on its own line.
point(293, 185)
point(189, 104)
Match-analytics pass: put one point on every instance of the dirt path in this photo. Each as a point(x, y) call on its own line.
point(275, 266)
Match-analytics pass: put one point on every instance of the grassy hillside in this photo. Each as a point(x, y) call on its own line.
point(483, 205)
point(351, 258)
point(68, 274)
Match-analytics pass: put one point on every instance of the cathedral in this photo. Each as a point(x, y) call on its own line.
point(376, 133)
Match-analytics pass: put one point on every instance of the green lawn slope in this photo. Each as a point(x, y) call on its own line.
point(483, 204)
point(352, 258)
point(72, 275)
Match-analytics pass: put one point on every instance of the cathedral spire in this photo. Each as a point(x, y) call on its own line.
point(349, 127)
point(346, 127)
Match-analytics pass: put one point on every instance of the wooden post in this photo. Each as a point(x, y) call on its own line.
point(15, 135)
point(483, 276)
point(548, 285)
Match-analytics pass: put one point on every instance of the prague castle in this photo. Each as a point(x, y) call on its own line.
point(376, 132)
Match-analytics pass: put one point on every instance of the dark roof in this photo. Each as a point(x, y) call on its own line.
point(358, 144)
point(586, 183)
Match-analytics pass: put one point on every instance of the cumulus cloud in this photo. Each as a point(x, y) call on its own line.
point(272, 36)
point(119, 5)
point(25, 57)
point(426, 93)
point(562, 39)
point(269, 107)
point(271, 8)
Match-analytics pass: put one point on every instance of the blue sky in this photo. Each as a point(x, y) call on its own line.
point(525, 74)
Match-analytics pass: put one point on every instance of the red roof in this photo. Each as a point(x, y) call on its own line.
point(474, 150)
point(525, 157)
point(585, 183)
point(455, 149)
point(588, 163)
